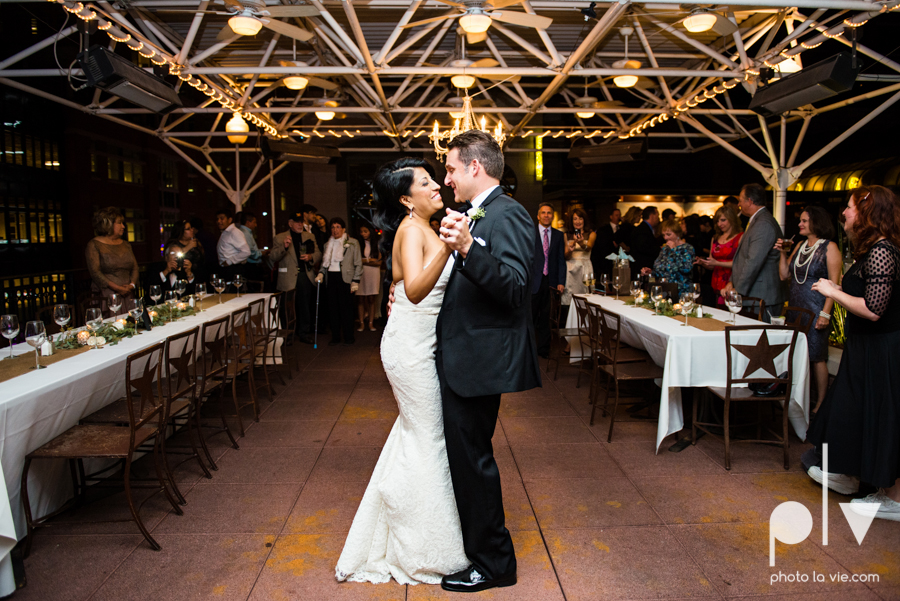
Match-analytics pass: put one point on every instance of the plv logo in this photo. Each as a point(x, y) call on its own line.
point(791, 522)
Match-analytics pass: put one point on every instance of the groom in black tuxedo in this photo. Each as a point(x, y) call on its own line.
point(485, 347)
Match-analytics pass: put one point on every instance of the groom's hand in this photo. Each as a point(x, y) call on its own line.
point(455, 232)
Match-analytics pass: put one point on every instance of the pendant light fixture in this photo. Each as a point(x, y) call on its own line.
point(626, 81)
point(236, 125)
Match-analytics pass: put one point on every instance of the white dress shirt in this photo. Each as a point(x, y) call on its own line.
point(232, 247)
point(614, 226)
point(334, 253)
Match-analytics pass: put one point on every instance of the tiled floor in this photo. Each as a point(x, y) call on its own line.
point(590, 520)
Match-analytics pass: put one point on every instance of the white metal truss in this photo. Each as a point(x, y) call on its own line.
point(391, 80)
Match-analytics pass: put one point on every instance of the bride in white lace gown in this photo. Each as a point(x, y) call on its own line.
point(407, 526)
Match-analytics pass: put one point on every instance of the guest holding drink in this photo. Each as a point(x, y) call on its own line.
point(110, 261)
point(813, 259)
point(860, 416)
point(579, 240)
point(675, 260)
point(724, 247)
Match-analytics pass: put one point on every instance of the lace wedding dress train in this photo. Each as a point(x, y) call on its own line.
point(407, 526)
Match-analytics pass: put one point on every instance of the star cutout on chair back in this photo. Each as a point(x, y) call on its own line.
point(762, 355)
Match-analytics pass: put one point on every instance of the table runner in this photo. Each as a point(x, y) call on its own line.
point(23, 364)
point(707, 324)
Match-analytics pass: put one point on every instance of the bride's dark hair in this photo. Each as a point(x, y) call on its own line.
point(392, 181)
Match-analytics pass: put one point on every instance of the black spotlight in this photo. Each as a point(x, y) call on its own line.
point(589, 12)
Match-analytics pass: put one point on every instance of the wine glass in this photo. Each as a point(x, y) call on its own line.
point(171, 298)
point(136, 309)
point(61, 315)
point(36, 335)
point(657, 295)
point(687, 305)
point(635, 287)
point(200, 293)
point(735, 303)
point(155, 294)
point(695, 291)
point(9, 327)
point(604, 281)
point(238, 282)
point(617, 283)
point(93, 318)
point(218, 285)
point(115, 303)
point(180, 287)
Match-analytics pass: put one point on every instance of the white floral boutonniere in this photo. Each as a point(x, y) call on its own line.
point(475, 214)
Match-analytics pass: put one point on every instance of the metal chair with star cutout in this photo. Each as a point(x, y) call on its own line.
point(747, 354)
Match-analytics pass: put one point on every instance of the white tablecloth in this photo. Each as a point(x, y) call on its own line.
point(39, 405)
point(692, 357)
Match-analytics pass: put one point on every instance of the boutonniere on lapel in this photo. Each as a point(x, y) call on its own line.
point(475, 214)
point(346, 245)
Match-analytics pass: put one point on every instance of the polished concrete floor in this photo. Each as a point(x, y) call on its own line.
point(590, 520)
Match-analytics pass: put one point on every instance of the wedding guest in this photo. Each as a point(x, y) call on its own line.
point(606, 243)
point(735, 204)
point(643, 243)
point(320, 230)
point(183, 259)
point(232, 248)
point(724, 247)
point(626, 227)
point(860, 416)
point(246, 222)
point(370, 282)
point(208, 242)
point(675, 259)
point(754, 270)
point(578, 254)
point(435, 224)
point(296, 252)
point(548, 271)
point(668, 214)
point(110, 261)
point(813, 259)
point(341, 271)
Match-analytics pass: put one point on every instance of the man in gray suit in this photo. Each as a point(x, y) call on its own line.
point(296, 252)
point(755, 269)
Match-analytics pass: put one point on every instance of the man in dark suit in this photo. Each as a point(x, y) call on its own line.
point(485, 347)
point(644, 244)
point(754, 271)
point(547, 271)
point(607, 243)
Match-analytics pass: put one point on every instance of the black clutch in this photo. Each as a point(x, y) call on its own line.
point(770, 389)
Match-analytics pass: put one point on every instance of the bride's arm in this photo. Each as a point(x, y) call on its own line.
point(417, 281)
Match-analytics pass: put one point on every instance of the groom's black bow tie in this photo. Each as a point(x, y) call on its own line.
point(464, 207)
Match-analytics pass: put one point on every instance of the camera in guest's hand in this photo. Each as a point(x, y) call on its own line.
point(577, 232)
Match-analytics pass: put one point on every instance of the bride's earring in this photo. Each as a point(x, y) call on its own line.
point(411, 211)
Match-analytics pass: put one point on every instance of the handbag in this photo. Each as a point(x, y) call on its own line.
point(770, 388)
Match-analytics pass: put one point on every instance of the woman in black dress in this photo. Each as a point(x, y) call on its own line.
point(811, 260)
point(860, 417)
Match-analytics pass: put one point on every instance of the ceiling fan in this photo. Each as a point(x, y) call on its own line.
point(247, 17)
point(477, 15)
point(468, 79)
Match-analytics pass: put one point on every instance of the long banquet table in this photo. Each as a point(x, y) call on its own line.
point(39, 405)
point(694, 358)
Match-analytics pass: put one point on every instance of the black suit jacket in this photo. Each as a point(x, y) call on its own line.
point(154, 278)
point(604, 245)
point(556, 265)
point(644, 247)
point(485, 336)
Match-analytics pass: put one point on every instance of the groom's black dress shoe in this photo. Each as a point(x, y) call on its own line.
point(471, 581)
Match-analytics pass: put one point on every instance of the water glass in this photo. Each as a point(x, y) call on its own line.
point(657, 295)
point(36, 335)
point(687, 305)
point(115, 303)
point(61, 315)
point(9, 328)
point(93, 319)
point(155, 293)
point(735, 303)
point(136, 309)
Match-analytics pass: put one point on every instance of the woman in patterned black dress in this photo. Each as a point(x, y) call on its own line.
point(860, 417)
point(811, 260)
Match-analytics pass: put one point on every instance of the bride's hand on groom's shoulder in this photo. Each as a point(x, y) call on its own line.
point(455, 232)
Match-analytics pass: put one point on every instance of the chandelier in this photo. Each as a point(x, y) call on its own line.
point(466, 122)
